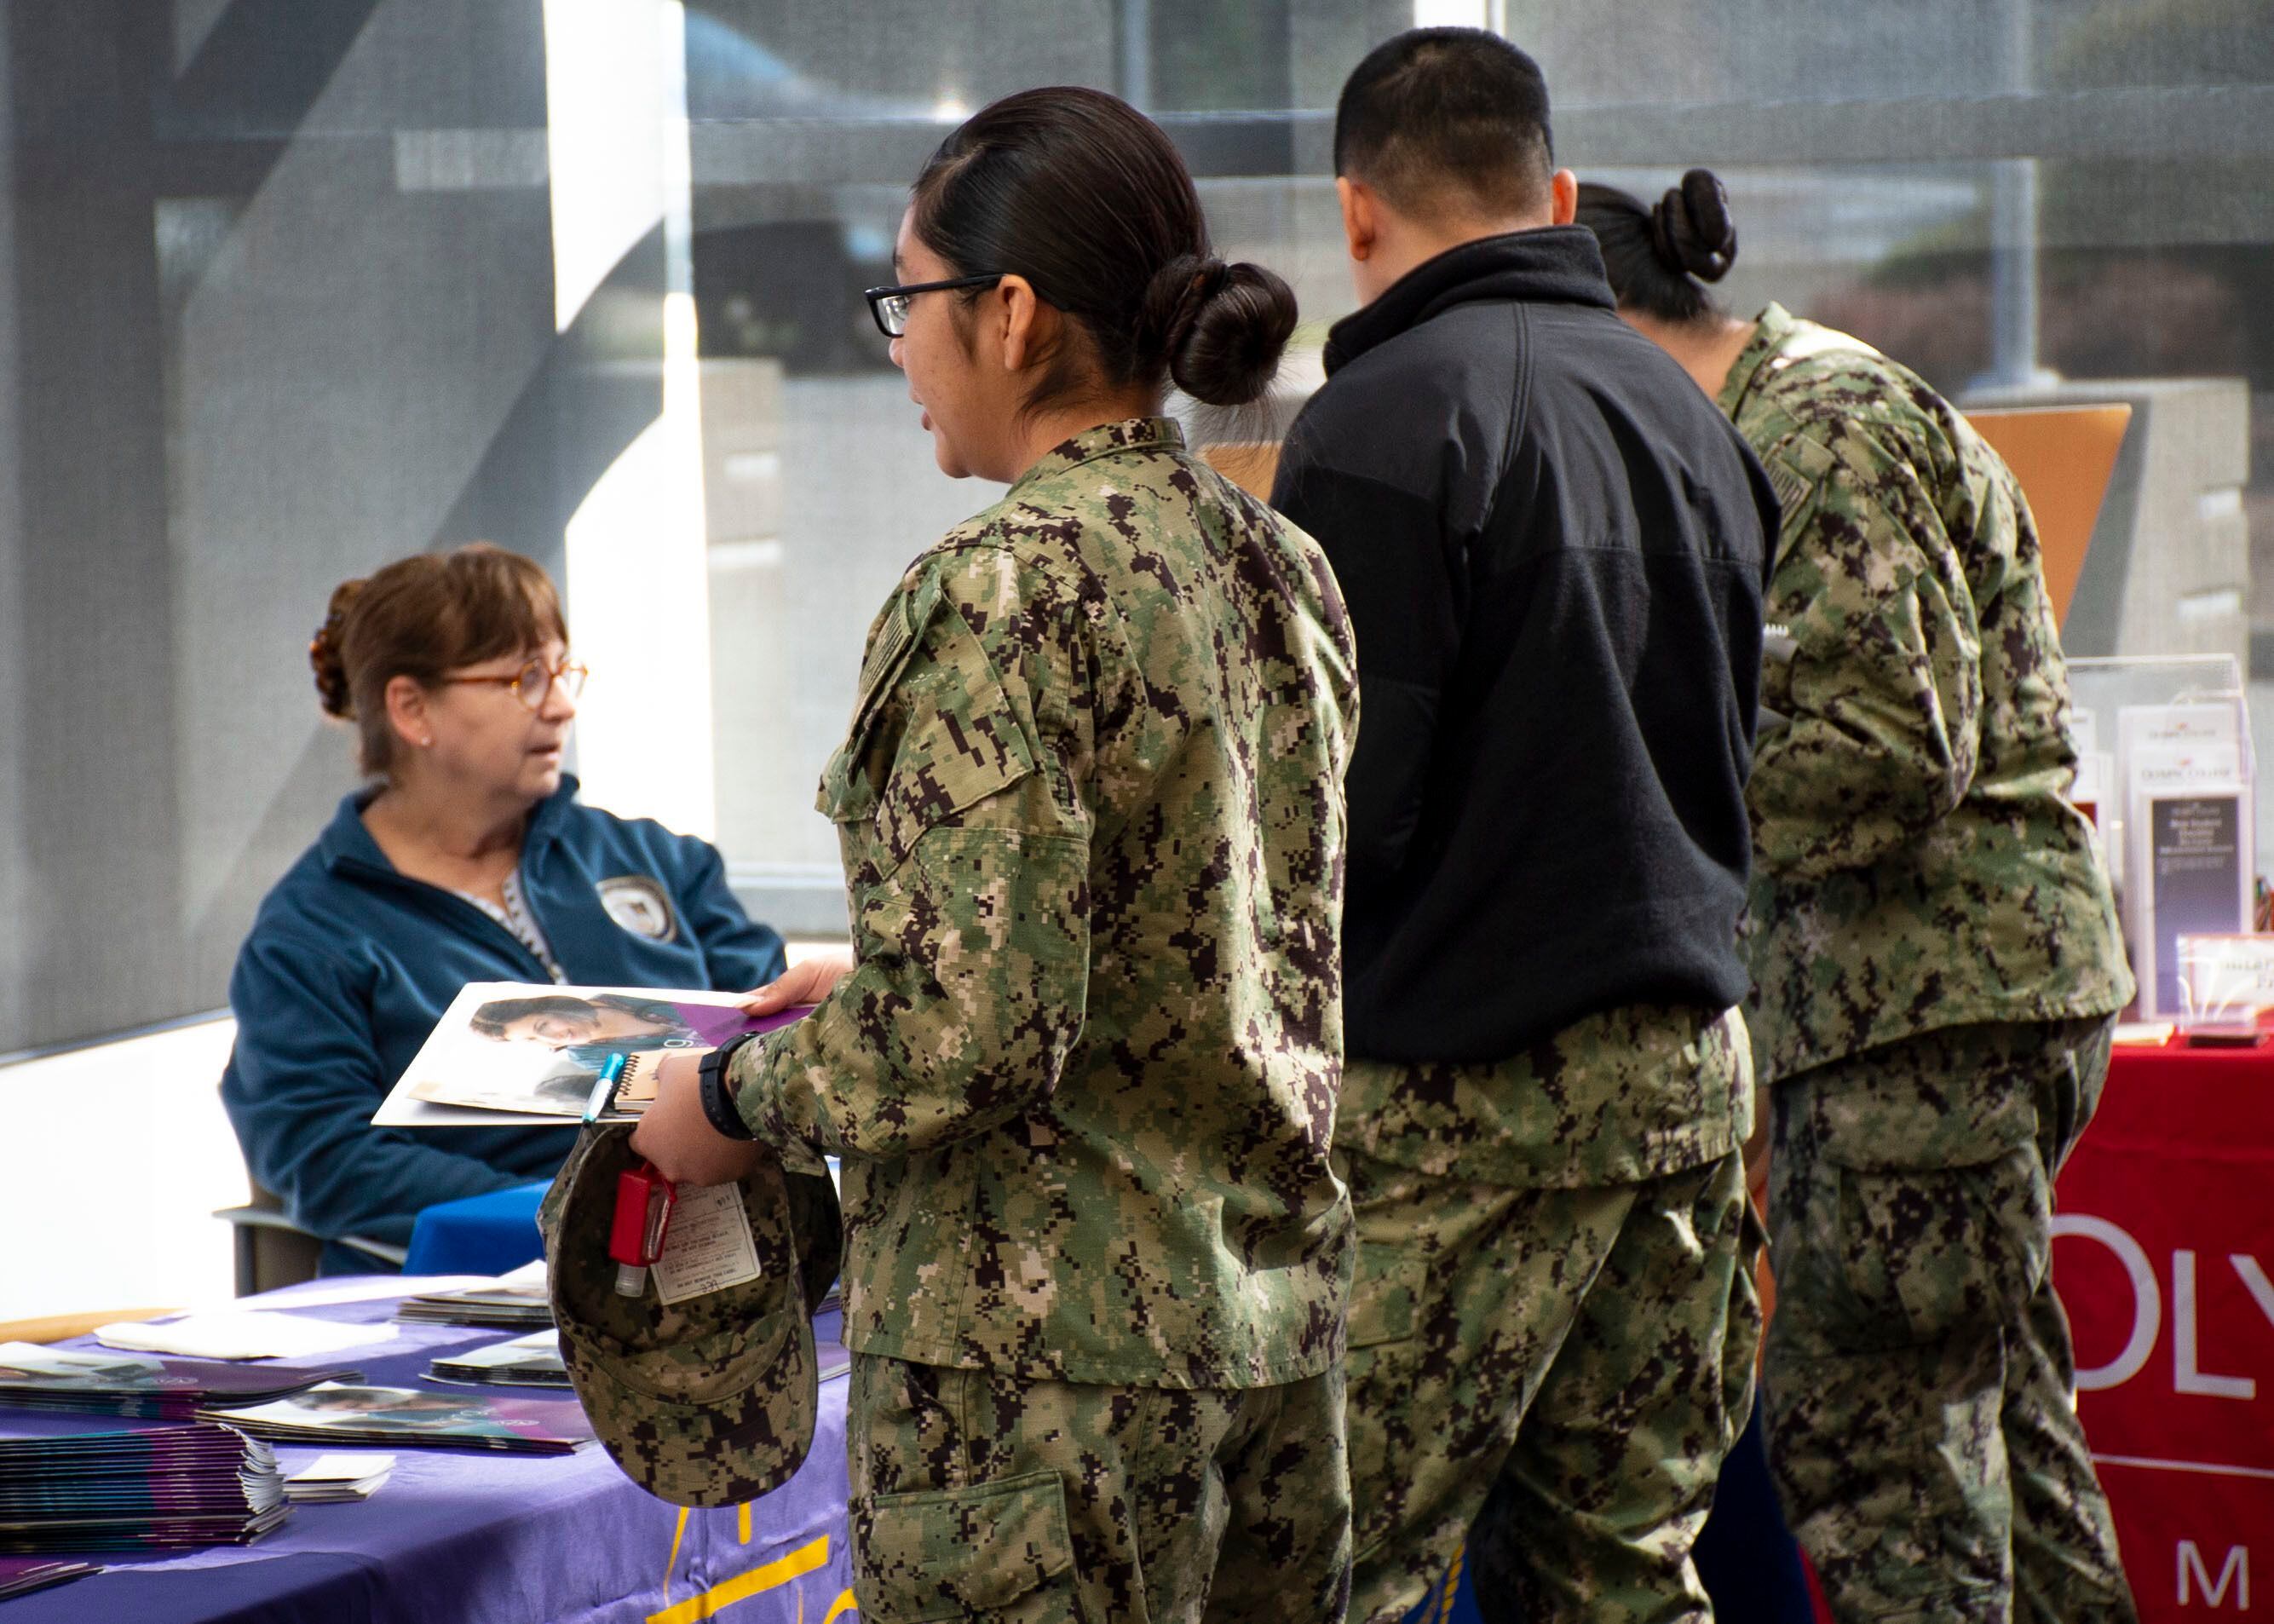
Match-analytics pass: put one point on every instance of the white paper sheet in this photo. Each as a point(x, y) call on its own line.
point(352, 1466)
point(234, 1333)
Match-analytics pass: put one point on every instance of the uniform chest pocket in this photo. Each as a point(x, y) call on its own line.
point(935, 735)
point(848, 783)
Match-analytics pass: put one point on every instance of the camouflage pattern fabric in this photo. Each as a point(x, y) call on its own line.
point(709, 1401)
point(1920, 1389)
point(1915, 864)
point(977, 1495)
point(1612, 1099)
point(1083, 1075)
point(1582, 1354)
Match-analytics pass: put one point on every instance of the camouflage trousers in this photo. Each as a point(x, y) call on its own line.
point(979, 1496)
point(1563, 1367)
point(1920, 1389)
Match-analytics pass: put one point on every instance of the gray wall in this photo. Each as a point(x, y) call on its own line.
point(280, 310)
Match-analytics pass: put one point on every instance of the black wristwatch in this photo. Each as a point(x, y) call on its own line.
point(717, 1099)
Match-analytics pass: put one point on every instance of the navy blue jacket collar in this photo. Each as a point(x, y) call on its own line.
point(347, 845)
point(1561, 265)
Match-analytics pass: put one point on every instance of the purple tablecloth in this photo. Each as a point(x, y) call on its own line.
point(475, 1538)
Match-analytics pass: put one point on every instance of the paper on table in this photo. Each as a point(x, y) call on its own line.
point(339, 1479)
point(352, 1466)
point(387, 1285)
point(242, 1333)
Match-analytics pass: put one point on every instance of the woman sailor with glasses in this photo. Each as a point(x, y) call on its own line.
point(468, 858)
point(1081, 1067)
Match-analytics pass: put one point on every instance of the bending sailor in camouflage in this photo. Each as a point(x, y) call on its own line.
point(1554, 553)
point(1082, 1074)
point(1935, 958)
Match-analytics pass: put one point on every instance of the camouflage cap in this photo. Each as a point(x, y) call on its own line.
point(709, 1401)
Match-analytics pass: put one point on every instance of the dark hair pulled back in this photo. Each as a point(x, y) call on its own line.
point(491, 1019)
point(1087, 198)
point(1660, 258)
point(422, 618)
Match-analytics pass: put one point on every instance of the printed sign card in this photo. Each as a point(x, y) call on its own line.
point(2226, 978)
point(2187, 855)
point(2193, 879)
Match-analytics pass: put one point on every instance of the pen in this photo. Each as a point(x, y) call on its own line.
point(604, 1088)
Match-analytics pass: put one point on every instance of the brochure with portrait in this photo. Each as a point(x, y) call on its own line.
point(516, 1052)
point(531, 1361)
point(107, 1381)
point(340, 1413)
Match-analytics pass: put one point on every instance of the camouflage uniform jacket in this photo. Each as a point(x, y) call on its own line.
point(1916, 865)
point(1083, 1076)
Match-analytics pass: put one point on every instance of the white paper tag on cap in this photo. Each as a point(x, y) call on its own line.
point(708, 1246)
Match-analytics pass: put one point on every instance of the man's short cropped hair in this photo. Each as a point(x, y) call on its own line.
point(1447, 121)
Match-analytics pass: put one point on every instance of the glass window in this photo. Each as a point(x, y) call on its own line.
point(291, 292)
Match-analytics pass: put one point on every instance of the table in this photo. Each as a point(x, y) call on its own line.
point(478, 1235)
point(478, 1539)
point(2163, 1252)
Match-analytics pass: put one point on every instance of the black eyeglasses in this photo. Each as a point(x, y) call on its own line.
point(890, 306)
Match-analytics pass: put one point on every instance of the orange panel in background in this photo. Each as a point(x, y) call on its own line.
point(2062, 455)
point(1248, 463)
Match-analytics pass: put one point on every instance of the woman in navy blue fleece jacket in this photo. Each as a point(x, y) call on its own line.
point(469, 858)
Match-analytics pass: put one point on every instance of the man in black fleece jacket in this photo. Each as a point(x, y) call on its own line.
point(1554, 549)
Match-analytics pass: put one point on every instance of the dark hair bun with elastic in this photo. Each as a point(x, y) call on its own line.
point(1691, 229)
point(1222, 326)
point(325, 654)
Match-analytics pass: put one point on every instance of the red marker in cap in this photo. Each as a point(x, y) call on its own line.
point(643, 1201)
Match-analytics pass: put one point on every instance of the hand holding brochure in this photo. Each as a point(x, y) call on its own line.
point(512, 1052)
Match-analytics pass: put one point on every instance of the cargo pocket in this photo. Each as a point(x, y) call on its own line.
point(1386, 1295)
point(1928, 1254)
point(1933, 1199)
point(1742, 1323)
point(995, 1552)
point(1381, 1370)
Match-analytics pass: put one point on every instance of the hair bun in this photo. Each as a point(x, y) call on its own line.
point(1691, 230)
point(1223, 327)
point(325, 655)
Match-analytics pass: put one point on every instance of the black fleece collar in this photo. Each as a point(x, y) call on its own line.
point(1557, 265)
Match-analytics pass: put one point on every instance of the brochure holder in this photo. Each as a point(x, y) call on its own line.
point(2165, 777)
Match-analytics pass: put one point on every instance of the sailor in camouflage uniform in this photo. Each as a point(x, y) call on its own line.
point(1082, 1075)
point(1936, 962)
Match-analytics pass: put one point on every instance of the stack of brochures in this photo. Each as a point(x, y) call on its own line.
point(336, 1479)
point(340, 1413)
point(21, 1575)
point(115, 1382)
point(503, 1306)
point(531, 1361)
point(185, 1483)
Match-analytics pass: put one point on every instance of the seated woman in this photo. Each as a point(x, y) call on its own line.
point(469, 858)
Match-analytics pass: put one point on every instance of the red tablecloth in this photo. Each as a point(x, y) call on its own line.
point(2164, 1252)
